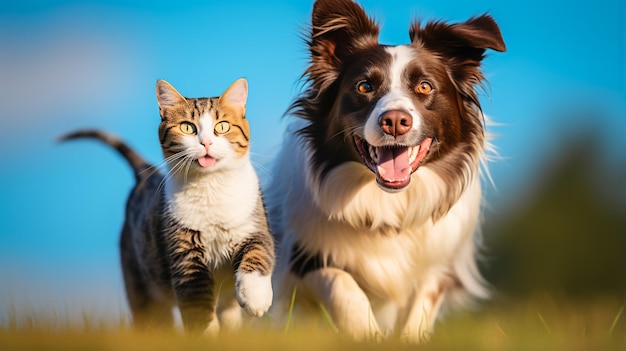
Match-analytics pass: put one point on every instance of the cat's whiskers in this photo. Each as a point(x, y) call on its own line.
point(261, 168)
point(169, 164)
point(176, 163)
point(150, 171)
point(162, 165)
point(170, 173)
point(260, 165)
point(189, 160)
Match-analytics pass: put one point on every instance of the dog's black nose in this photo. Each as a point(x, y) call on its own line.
point(396, 122)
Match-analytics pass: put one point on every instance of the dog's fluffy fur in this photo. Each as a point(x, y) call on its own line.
point(376, 195)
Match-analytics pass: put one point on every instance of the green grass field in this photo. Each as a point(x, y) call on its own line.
point(545, 323)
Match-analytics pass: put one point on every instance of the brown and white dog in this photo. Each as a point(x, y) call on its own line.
point(376, 196)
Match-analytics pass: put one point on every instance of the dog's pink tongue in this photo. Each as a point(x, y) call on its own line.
point(393, 163)
point(206, 161)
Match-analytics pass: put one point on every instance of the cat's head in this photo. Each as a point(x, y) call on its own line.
point(204, 134)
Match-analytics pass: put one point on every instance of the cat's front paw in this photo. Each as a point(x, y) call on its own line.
point(254, 292)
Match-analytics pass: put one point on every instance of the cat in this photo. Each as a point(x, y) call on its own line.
point(200, 230)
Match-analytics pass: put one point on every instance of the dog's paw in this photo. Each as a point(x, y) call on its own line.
point(254, 292)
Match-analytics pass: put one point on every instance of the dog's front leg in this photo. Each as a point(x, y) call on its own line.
point(344, 300)
point(421, 317)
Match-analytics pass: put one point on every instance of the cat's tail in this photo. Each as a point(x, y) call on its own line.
point(138, 164)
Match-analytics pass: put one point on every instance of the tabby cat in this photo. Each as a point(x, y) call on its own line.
point(200, 230)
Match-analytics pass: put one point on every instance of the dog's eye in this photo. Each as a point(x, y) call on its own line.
point(424, 88)
point(188, 128)
point(364, 87)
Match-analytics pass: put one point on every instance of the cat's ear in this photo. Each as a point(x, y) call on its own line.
point(167, 95)
point(236, 95)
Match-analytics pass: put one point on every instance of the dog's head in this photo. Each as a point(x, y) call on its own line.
point(393, 108)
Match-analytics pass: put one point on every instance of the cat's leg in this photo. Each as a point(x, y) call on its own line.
point(344, 300)
point(146, 311)
point(193, 284)
point(253, 264)
point(195, 298)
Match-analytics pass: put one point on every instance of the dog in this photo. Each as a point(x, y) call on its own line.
point(376, 195)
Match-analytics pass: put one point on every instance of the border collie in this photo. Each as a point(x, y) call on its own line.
point(376, 196)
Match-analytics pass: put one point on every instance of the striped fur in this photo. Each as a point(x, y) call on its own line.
point(200, 230)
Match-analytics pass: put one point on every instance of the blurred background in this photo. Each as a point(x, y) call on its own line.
point(555, 218)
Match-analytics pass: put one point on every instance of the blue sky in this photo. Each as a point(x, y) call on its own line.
point(72, 64)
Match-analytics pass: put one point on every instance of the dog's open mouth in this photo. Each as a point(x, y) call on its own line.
point(393, 165)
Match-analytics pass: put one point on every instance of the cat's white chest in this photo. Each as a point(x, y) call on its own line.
point(219, 206)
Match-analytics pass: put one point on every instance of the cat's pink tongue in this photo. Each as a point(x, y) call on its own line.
point(206, 161)
point(393, 163)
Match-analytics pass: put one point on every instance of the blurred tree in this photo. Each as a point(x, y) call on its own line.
point(569, 238)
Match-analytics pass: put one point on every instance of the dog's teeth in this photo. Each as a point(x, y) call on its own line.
point(413, 153)
point(373, 152)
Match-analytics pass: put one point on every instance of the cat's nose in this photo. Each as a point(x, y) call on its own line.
point(206, 144)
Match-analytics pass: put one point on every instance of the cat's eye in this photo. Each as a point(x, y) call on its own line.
point(222, 127)
point(364, 87)
point(424, 88)
point(188, 128)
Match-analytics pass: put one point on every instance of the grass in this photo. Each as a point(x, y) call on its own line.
point(536, 324)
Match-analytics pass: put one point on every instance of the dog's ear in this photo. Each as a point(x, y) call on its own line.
point(463, 45)
point(338, 29)
point(467, 40)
